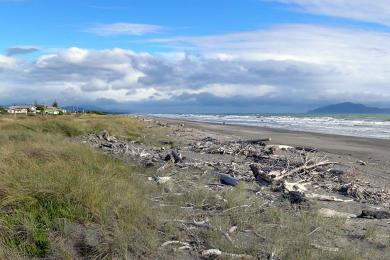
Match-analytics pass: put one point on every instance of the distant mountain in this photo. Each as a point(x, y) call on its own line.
point(349, 108)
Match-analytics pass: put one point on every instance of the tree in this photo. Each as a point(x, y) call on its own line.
point(41, 108)
point(2, 110)
point(55, 103)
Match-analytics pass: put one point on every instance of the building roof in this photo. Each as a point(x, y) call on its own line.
point(21, 107)
point(53, 108)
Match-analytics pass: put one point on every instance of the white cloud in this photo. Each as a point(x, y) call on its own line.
point(124, 29)
point(235, 90)
point(350, 58)
point(7, 62)
point(376, 11)
point(290, 64)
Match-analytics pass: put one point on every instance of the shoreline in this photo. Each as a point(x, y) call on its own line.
point(248, 129)
point(347, 128)
point(348, 149)
point(274, 129)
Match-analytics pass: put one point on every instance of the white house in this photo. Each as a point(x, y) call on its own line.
point(22, 110)
point(54, 111)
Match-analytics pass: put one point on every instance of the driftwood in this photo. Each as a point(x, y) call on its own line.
point(212, 253)
point(260, 176)
point(306, 149)
point(279, 147)
point(175, 242)
point(330, 213)
point(200, 224)
point(326, 198)
point(297, 193)
point(374, 214)
point(362, 163)
point(254, 141)
point(304, 167)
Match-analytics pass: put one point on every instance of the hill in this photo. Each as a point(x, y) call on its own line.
point(349, 108)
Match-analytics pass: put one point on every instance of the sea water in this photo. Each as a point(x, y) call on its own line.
point(370, 126)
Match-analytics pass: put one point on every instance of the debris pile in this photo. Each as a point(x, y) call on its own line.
point(132, 150)
point(298, 172)
point(212, 146)
point(281, 165)
point(363, 192)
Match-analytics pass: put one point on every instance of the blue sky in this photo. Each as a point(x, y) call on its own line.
point(195, 55)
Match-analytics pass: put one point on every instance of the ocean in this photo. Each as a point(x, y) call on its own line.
point(369, 126)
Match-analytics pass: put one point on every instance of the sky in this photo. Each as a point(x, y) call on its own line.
point(195, 56)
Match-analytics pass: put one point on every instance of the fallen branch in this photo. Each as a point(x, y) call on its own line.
point(303, 168)
point(326, 198)
point(241, 206)
point(200, 224)
point(174, 242)
point(227, 236)
point(219, 253)
point(315, 230)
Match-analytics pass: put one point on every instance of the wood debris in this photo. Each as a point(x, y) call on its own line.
point(380, 214)
point(330, 213)
point(212, 253)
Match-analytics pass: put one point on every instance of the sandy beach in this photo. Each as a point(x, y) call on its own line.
point(337, 185)
point(347, 149)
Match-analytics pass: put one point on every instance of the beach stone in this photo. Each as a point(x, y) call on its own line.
point(228, 180)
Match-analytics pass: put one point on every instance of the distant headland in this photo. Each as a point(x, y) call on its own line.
point(349, 108)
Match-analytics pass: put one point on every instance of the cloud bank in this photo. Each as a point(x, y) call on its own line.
point(273, 70)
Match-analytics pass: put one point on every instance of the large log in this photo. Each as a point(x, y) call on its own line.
point(375, 214)
point(254, 141)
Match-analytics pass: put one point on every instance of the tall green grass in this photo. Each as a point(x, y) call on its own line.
point(48, 185)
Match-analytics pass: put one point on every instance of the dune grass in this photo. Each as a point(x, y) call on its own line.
point(48, 184)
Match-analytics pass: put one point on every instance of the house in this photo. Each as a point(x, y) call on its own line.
point(22, 110)
point(54, 111)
